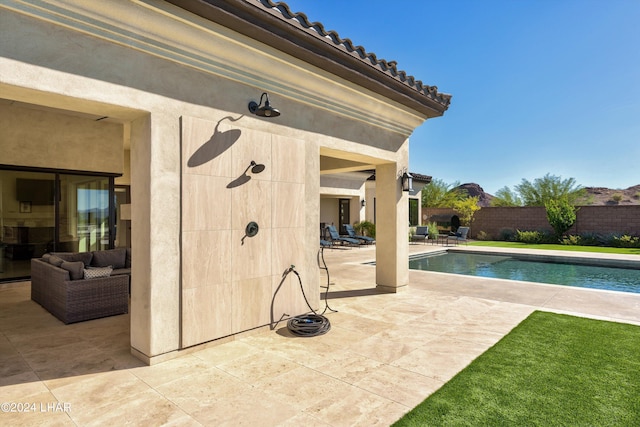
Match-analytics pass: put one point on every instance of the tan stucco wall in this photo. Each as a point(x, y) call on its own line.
point(46, 139)
point(210, 74)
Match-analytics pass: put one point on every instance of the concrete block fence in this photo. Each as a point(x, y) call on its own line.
point(590, 219)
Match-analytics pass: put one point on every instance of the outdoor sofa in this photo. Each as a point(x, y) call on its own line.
point(78, 286)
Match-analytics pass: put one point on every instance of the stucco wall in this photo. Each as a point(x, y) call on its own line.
point(46, 139)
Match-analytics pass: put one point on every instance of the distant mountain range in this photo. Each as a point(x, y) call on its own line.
point(596, 195)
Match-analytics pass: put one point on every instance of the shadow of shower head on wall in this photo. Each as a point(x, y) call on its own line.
point(255, 168)
point(216, 145)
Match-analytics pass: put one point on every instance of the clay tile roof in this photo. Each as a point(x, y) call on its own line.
point(346, 45)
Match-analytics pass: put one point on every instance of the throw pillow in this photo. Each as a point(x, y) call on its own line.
point(95, 272)
point(54, 260)
point(75, 269)
point(113, 257)
point(46, 257)
point(85, 257)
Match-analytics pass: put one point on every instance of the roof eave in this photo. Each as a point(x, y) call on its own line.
point(264, 21)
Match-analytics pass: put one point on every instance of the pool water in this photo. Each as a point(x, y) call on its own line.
point(506, 267)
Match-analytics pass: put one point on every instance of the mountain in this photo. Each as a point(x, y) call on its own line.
point(612, 197)
point(595, 195)
point(474, 190)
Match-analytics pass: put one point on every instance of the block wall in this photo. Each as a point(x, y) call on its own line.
point(590, 219)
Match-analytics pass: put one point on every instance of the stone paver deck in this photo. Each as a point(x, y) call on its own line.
point(384, 354)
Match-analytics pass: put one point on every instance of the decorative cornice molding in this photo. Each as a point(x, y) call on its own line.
point(174, 34)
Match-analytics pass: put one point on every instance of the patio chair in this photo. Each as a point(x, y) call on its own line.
point(422, 234)
point(459, 236)
point(337, 238)
point(352, 233)
point(325, 243)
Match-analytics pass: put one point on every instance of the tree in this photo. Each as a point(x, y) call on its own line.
point(549, 187)
point(506, 197)
point(561, 215)
point(439, 194)
point(467, 208)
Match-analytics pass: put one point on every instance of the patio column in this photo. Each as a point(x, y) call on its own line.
point(392, 219)
point(155, 232)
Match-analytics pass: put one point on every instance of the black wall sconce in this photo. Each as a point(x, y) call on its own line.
point(363, 203)
point(407, 182)
point(266, 110)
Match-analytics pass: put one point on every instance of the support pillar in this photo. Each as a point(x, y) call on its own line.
point(155, 232)
point(392, 228)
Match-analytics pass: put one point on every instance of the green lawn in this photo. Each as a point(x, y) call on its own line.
point(551, 370)
point(607, 250)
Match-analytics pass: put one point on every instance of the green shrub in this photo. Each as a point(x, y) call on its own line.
point(507, 235)
point(561, 216)
point(625, 241)
point(571, 240)
point(592, 239)
point(366, 228)
point(617, 197)
point(637, 195)
point(433, 230)
point(483, 236)
point(533, 237)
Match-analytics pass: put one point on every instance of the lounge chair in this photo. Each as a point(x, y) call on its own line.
point(459, 236)
point(422, 234)
point(352, 233)
point(325, 243)
point(337, 238)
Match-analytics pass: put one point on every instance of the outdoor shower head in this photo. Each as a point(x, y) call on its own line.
point(256, 168)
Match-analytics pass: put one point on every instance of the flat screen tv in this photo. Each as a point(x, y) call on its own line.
point(36, 191)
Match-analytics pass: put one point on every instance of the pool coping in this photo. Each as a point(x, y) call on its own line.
point(582, 258)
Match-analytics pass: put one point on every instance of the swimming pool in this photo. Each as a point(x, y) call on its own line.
point(520, 267)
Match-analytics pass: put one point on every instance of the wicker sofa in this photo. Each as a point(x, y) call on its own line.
point(58, 284)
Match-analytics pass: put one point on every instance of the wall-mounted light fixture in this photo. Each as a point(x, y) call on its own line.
point(407, 182)
point(363, 203)
point(266, 110)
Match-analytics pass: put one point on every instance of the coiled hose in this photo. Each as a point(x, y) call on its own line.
point(306, 325)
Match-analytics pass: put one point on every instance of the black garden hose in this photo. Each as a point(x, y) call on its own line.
point(306, 325)
point(309, 325)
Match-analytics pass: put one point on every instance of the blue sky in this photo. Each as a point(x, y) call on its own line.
point(539, 86)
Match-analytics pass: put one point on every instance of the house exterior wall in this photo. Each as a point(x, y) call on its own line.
point(171, 80)
point(52, 140)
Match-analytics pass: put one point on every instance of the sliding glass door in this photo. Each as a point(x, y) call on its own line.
point(52, 212)
point(27, 220)
point(84, 220)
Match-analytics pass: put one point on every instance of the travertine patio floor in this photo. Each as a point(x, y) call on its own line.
point(384, 354)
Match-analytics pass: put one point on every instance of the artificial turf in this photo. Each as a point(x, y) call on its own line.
point(551, 370)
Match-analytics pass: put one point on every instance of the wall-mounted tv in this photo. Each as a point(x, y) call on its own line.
point(36, 191)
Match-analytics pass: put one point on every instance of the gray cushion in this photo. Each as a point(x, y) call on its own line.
point(127, 262)
point(46, 257)
point(113, 257)
point(74, 268)
point(85, 257)
point(119, 271)
point(95, 272)
point(55, 260)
